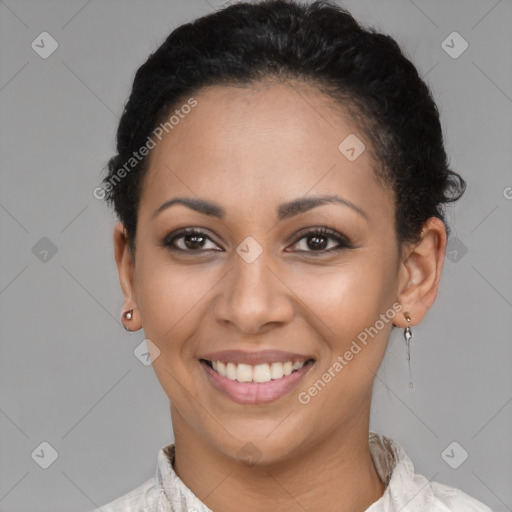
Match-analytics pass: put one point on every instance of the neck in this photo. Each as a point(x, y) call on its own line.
point(336, 474)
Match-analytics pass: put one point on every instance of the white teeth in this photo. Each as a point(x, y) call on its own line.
point(259, 373)
point(230, 371)
point(276, 370)
point(244, 373)
point(221, 368)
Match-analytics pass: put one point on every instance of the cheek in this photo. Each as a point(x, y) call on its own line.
point(346, 305)
point(347, 315)
point(172, 299)
point(169, 297)
point(345, 299)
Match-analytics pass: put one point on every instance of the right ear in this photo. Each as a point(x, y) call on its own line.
point(126, 269)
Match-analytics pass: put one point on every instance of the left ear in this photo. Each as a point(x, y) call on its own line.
point(420, 272)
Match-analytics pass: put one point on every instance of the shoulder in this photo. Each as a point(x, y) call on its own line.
point(408, 490)
point(141, 499)
point(456, 500)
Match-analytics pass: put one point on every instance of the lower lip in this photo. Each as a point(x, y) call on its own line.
point(255, 393)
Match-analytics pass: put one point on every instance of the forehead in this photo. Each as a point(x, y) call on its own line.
point(255, 144)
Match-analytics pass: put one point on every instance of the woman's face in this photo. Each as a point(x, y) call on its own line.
point(258, 287)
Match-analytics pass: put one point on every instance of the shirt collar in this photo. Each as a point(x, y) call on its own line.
point(404, 490)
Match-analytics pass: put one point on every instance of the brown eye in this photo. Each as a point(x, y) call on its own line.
point(317, 242)
point(321, 240)
point(189, 240)
point(193, 241)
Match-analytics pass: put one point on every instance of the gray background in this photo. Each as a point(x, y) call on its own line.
point(67, 369)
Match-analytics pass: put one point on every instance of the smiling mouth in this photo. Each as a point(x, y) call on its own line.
point(259, 373)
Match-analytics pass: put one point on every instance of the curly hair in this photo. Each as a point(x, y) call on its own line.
point(320, 44)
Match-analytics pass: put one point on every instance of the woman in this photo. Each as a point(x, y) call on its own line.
point(279, 183)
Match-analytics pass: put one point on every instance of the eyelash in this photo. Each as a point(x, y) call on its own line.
point(343, 242)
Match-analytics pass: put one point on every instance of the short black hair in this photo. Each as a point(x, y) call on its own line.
point(319, 44)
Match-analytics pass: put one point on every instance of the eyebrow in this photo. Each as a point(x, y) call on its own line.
point(284, 211)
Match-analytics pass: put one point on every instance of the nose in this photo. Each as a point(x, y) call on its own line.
point(253, 297)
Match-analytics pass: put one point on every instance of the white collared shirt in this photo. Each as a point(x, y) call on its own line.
point(405, 490)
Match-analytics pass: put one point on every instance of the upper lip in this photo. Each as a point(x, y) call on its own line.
point(255, 358)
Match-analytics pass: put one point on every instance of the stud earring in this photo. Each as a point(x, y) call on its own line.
point(127, 315)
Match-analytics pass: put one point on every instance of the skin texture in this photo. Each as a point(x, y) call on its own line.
point(250, 150)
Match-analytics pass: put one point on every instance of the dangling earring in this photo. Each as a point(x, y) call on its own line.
point(127, 315)
point(408, 336)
